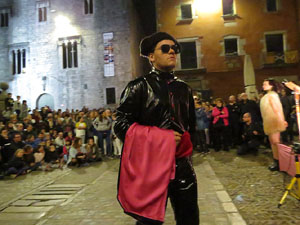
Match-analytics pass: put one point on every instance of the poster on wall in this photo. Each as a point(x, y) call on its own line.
point(109, 65)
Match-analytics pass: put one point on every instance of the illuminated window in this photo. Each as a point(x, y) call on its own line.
point(228, 7)
point(69, 49)
point(18, 60)
point(186, 11)
point(4, 19)
point(231, 46)
point(272, 5)
point(42, 14)
point(110, 96)
point(88, 7)
point(69, 54)
point(274, 43)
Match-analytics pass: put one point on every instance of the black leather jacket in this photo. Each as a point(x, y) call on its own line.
point(156, 99)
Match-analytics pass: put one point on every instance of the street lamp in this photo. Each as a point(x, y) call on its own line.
point(211, 6)
point(64, 28)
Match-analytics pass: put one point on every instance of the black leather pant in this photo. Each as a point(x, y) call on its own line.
point(183, 195)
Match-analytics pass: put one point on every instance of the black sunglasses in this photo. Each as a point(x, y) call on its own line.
point(166, 48)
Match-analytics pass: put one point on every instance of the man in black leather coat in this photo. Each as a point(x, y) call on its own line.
point(161, 99)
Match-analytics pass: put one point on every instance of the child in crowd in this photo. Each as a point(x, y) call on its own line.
point(51, 157)
point(92, 151)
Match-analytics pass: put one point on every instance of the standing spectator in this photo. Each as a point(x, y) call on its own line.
point(287, 102)
point(24, 109)
point(220, 125)
point(234, 121)
point(201, 123)
point(102, 125)
point(17, 106)
point(9, 101)
point(250, 106)
point(117, 143)
point(80, 129)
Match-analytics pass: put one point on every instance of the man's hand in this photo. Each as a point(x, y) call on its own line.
point(255, 132)
point(177, 137)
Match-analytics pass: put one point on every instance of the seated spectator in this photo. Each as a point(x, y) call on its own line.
point(29, 130)
point(252, 136)
point(29, 158)
point(17, 165)
point(76, 155)
point(65, 152)
point(92, 151)
point(51, 156)
point(30, 140)
point(16, 144)
point(70, 137)
point(39, 157)
point(39, 139)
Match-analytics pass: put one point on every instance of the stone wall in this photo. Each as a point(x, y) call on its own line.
point(74, 87)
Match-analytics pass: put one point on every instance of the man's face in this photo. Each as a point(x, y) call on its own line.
point(163, 61)
point(244, 96)
point(246, 118)
point(17, 138)
point(232, 99)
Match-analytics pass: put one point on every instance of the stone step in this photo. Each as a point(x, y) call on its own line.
point(46, 197)
point(29, 209)
point(54, 193)
point(21, 216)
point(49, 202)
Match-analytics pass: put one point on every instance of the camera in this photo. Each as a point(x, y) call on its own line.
point(296, 147)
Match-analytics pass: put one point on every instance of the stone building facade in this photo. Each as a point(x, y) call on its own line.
point(216, 36)
point(68, 53)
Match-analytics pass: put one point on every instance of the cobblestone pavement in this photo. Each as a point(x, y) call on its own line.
point(255, 190)
point(232, 191)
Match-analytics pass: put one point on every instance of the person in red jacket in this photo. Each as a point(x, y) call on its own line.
point(220, 125)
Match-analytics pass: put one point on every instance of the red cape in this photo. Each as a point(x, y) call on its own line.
point(147, 166)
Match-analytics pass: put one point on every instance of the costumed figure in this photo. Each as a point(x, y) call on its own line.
point(273, 118)
point(155, 119)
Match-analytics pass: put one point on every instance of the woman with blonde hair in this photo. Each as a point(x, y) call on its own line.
point(273, 117)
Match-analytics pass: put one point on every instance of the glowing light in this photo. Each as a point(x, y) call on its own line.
point(64, 27)
point(211, 6)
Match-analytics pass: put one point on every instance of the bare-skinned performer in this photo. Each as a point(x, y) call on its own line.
point(273, 118)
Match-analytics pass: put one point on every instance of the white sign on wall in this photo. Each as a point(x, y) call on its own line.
point(109, 64)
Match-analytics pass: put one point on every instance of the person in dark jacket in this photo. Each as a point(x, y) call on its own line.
point(252, 136)
point(234, 121)
point(17, 165)
point(287, 102)
point(160, 99)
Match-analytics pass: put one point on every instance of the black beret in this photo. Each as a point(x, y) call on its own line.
point(148, 43)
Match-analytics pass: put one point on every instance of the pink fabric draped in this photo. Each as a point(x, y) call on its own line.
point(147, 166)
point(286, 159)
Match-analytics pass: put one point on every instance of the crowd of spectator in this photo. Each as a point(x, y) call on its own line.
point(238, 124)
point(46, 139)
